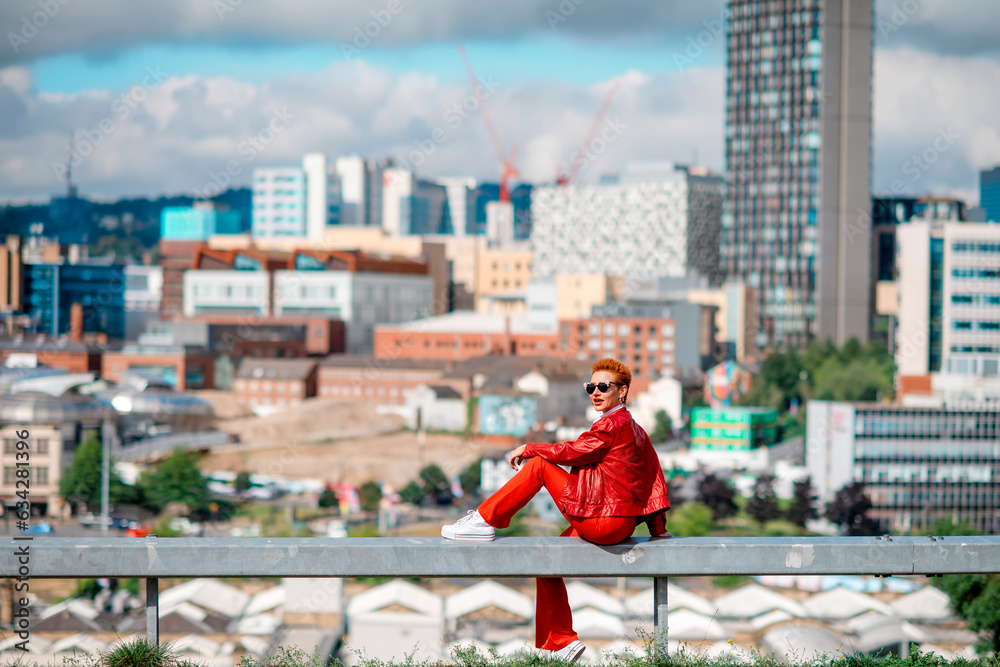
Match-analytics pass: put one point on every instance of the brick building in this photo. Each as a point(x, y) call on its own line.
point(183, 367)
point(381, 380)
point(463, 335)
point(267, 383)
point(73, 357)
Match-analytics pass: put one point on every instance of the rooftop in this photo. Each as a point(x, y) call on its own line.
point(276, 369)
point(471, 322)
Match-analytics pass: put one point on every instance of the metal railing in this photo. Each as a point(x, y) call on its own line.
point(154, 558)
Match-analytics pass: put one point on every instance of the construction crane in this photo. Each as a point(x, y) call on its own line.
point(507, 170)
point(581, 154)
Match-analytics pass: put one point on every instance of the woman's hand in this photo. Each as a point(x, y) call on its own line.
point(515, 457)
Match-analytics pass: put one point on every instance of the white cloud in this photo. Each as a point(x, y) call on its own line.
point(934, 121)
point(187, 128)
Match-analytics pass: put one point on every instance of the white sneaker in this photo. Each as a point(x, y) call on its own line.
point(469, 527)
point(571, 652)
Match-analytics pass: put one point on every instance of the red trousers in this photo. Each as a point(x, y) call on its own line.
point(553, 618)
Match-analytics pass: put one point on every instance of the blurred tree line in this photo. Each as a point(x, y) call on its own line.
point(824, 371)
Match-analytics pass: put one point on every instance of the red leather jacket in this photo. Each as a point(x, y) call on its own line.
point(615, 471)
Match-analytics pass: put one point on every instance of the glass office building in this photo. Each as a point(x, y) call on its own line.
point(796, 222)
point(917, 464)
point(50, 290)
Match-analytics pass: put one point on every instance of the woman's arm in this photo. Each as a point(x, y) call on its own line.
point(590, 447)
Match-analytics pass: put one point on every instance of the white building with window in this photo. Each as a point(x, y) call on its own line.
point(227, 292)
point(294, 201)
point(360, 298)
point(947, 344)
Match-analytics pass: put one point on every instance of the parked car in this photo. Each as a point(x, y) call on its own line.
point(91, 520)
point(39, 528)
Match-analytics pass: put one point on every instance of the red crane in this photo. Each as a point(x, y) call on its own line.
point(507, 170)
point(581, 154)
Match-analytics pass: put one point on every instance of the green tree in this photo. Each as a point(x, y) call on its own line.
point(471, 477)
point(664, 428)
point(177, 480)
point(328, 498)
point(763, 505)
point(976, 598)
point(413, 493)
point(369, 496)
point(690, 520)
point(434, 479)
point(716, 493)
point(803, 507)
point(849, 510)
point(81, 482)
point(242, 482)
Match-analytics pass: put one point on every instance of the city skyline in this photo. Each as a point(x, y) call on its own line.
point(180, 92)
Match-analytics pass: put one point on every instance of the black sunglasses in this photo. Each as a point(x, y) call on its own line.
point(600, 386)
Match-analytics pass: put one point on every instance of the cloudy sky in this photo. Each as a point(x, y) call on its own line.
point(163, 95)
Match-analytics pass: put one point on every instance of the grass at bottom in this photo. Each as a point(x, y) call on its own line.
point(641, 657)
point(138, 654)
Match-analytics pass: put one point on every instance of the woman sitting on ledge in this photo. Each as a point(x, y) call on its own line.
point(614, 483)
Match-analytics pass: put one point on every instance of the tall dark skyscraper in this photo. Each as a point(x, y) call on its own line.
point(797, 219)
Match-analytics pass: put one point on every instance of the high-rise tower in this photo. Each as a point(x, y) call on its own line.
point(796, 222)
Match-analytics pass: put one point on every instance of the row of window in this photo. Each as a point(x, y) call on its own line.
point(266, 386)
point(225, 291)
point(973, 349)
point(968, 246)
point(37, 475)
point(967, 272)
point(355, 390)
point(981, 325)
point(976, 299)
point(39, 446)
point(609, 328)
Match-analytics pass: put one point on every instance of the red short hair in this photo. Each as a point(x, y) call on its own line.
point(616, 367)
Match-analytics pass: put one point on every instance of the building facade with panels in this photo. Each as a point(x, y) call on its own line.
point(653, 222)
point(798, 164)
point(917, 464)
point(733, 428)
